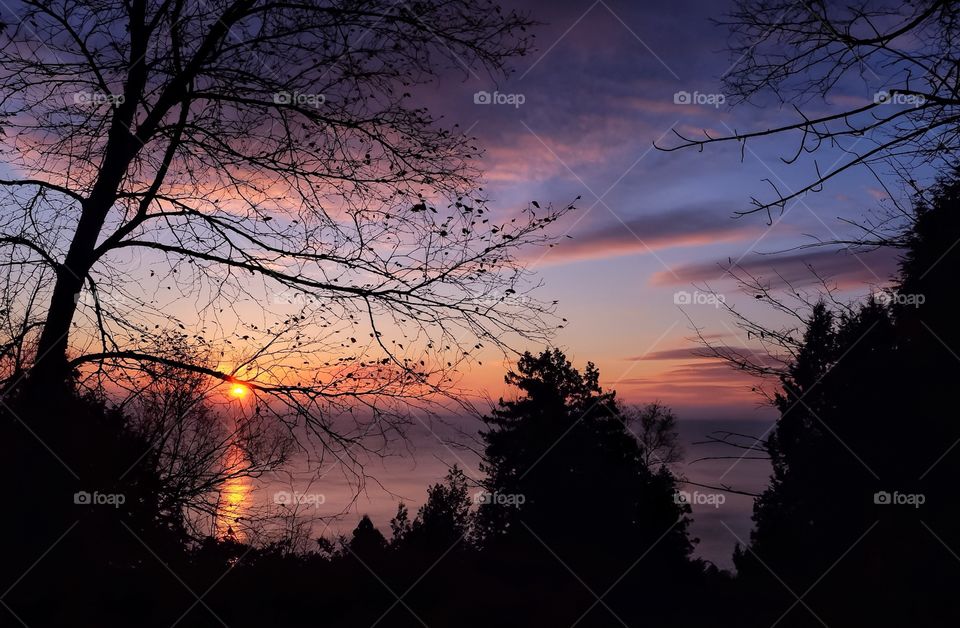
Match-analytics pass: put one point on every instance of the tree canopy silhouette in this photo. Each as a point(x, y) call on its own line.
point(367, 543)
point(445, 519)
point(255, 177)
point(568, 488)
point(563, 441)
point(863, 498)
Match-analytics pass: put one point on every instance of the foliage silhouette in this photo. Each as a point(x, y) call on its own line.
point(566, 440)
point(89, 497)
point(627, 541)
point(865, 422)
point(444, 522)
point(569, 491)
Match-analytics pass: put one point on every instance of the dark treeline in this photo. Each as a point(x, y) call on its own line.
point(579, 524)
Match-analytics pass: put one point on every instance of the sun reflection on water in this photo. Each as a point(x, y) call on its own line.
point(234, 499)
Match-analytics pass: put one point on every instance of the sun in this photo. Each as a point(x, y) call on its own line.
point(239, 390)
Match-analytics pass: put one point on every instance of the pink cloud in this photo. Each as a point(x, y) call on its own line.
point(706, 381)
point(642, 234)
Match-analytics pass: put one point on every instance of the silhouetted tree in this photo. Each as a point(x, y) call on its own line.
point(655, 426)
point(865, 420)
point(444, 520)
point(200, 444)
point(433, 557)
point(568, 488)
point(367, 542)
point(171, 166)
point(565, 440)
point(91, 498)
point(400, 525)
point(253, 179)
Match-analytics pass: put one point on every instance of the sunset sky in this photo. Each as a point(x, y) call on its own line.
point(641, 262)
point(596, 95)
point(479, 312)
point(579, 117)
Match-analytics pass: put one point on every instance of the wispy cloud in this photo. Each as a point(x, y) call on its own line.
point(693, 353)
point(703, 382)
point(641, 234)
point(840, 266)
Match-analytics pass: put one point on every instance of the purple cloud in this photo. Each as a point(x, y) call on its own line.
point(641, 234)
point(842, 267)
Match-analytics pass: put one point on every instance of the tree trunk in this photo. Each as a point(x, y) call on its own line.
point(50, 370)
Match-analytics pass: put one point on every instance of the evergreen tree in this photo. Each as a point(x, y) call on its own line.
point(568, 489)
point(367, 542)
point(444, 520)
point(865, 420)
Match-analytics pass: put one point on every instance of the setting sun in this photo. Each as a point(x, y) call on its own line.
point(239, 390)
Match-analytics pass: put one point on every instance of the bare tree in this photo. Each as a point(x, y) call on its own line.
point(655, 426)
point(198, 446)
point(254, 176)
point(903, 53)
